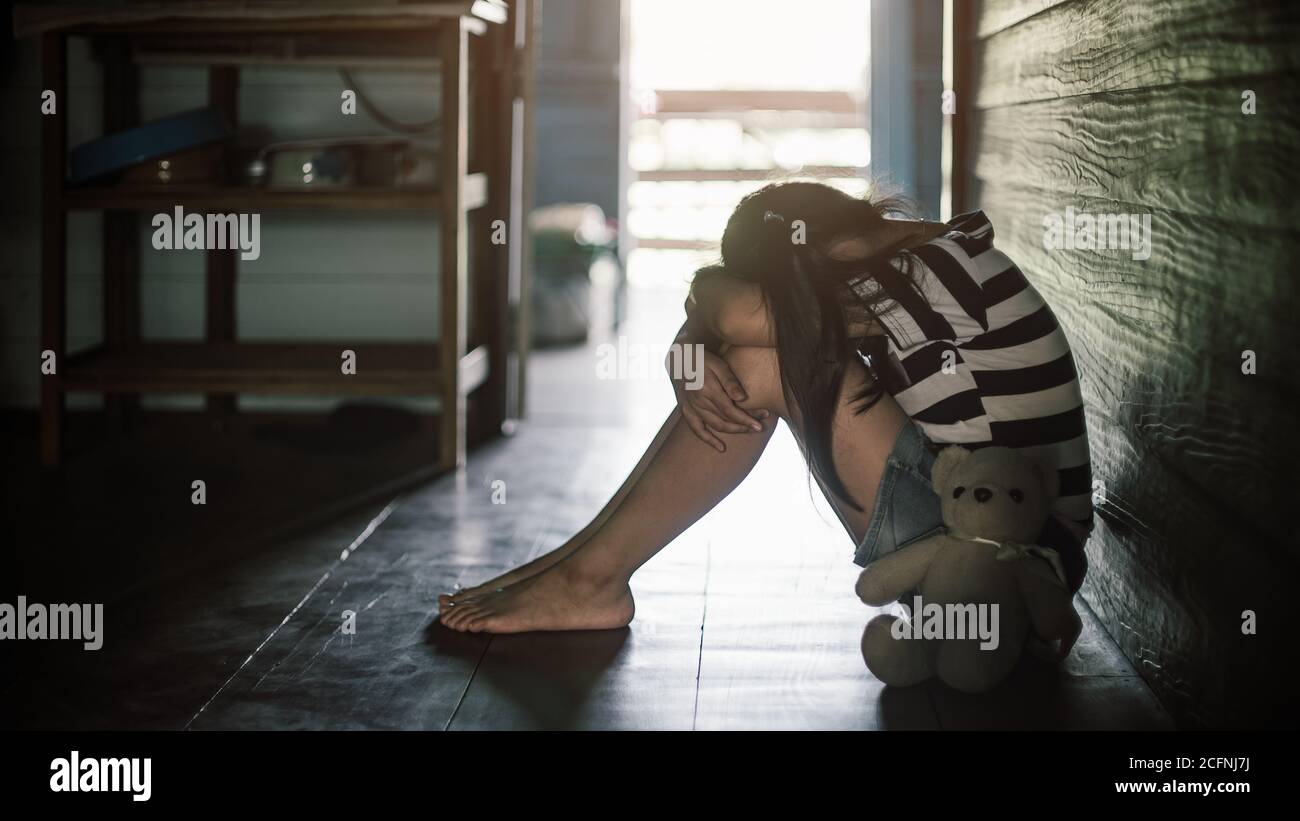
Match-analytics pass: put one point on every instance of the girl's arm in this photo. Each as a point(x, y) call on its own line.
point(735, 312)
point(708, 393)
point(732, 310)
point(695, 332)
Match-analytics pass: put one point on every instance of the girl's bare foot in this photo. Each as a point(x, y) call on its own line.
point(558, 598)
point(523, 571)
point(541, 563)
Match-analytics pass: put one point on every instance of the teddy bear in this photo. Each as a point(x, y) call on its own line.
point(979, 590)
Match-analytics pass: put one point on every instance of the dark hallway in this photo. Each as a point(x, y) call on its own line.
point(651, 365)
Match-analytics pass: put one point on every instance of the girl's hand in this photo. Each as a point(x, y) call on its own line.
point(710, 405)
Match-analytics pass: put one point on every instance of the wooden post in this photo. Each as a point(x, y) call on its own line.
point(120, 239)
point(453, 48)
point(54, 250)
point(222, 265)
point(527, 25)
point(963, 85)
point(482, 128)
point(490, 153)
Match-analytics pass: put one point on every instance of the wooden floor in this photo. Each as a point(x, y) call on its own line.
point(746, 622)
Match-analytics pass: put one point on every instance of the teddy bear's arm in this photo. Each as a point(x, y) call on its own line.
point(889, 577)
point(1051, 607)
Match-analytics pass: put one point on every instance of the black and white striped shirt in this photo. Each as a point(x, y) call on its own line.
point(979, 359)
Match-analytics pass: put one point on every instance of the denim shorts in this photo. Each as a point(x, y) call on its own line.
point(908, 510)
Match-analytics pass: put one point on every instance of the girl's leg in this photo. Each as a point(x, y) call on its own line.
point(683, 480)
point(544, 561)
point(678, 480)
point(861, 442)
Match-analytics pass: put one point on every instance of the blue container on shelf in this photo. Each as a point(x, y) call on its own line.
point(159, 138)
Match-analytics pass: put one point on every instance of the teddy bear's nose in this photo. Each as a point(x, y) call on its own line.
point(983, 494)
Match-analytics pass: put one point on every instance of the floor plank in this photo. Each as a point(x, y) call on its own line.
point(782, 636)
point(1095, 688)
point(401, 670)
point(638, 678)
point(1037, 697)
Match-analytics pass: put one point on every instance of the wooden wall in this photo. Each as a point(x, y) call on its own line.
point(1120, 107)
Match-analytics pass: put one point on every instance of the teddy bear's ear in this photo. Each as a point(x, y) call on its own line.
point(941, 470)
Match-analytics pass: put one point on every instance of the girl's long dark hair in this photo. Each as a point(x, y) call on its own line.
point(779, 237)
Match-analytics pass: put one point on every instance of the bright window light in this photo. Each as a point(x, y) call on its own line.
point(728, 95)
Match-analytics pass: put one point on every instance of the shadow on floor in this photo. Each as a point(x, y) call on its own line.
point(121, 515)
point(546, 681)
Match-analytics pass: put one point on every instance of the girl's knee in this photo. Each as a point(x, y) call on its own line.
point(759, 374)
point(746, 360)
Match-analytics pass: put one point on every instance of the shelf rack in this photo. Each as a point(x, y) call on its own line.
point(475, 354)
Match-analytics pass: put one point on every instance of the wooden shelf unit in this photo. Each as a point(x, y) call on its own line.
point(384, 369)
point(222, 365)
point(231, 198)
